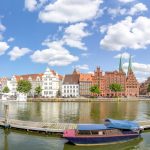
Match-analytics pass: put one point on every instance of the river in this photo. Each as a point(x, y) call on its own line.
point(71, 112)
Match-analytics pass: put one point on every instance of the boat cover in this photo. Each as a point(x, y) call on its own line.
point(121, 124)
point(91, 127)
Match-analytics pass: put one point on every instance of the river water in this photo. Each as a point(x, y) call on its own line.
point(71, 112)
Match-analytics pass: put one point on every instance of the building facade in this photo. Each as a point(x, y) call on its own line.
point(49, 81)
point(85, 83)
point(70, 86)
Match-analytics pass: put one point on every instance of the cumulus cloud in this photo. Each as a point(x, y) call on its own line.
point(126, 1)
point(3, 47)
point(54, 55)
point(11, 39)
point(138, 8)
point(32, 5)
point(2, 27)
point(74, 35)
point(124, 55)
point(17, 52)
point(70, 11)
point(82, 67)
point(127, 34)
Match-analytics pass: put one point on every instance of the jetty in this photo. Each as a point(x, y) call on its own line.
point(49, 128)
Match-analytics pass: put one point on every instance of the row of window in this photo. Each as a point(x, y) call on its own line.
point(70, 86)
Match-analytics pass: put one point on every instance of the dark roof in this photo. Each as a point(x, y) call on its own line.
point(71, 79)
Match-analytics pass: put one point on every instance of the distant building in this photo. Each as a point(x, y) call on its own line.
point(3, 83)
point(132, 85)
point(118, 77)
point(49, 81)
point(85, 83)
point(99, 79)
point(70, 86)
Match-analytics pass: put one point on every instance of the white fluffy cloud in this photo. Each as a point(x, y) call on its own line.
point(127, 34)
point(70, 11)
point(2, 27)
point(124, 55)
point(54, 55)
point(126, 1)
point(74, 35)
point(138, 8)
point(3, 47)
point(17, 52)
point(32, 5)
point(11, 39)
point(82, 67)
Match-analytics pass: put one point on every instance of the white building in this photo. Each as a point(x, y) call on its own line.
point(70, 87)
point(51, 83)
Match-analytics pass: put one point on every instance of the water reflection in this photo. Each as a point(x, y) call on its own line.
point(75, 112)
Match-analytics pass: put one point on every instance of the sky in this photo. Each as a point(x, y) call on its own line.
point(68, 34)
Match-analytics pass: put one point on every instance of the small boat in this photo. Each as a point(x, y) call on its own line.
point(112, 131)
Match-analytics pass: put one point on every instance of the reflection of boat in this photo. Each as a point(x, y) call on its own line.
point(113, 131)
point(133, 144)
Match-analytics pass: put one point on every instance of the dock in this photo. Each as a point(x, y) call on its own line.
point(50, 128)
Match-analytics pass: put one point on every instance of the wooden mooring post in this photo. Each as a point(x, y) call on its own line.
point(6, 109)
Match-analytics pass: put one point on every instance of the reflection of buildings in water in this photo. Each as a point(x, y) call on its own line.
point(85, 113)
point(69, 111)
point(50, 112)
point(131, 110)
point(143, 112)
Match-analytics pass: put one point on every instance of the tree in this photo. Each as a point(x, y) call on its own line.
point(24, 86)
point(38, 90)
point(115, 87)
point(95, 89)
point(148, 88)
point(6, 89)
point(58, 93)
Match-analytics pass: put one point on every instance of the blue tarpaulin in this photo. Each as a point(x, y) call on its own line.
point(91, 127)
point(121, 124)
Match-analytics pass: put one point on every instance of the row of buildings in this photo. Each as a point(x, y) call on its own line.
point(78, 84)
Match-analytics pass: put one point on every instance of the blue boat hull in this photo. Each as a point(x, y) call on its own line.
point(101, 140)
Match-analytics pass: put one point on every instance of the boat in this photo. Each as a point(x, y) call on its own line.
point(111, 132)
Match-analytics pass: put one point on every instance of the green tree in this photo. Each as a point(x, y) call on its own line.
point(5, 89)
point(24, 86)
point(148, 89)
point(38, 90)
point(115, 87)
point(58, 93)
point(95, 89)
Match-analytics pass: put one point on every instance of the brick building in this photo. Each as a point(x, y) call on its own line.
point(85, 82)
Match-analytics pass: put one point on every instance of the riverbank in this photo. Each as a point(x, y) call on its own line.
point(86, 99)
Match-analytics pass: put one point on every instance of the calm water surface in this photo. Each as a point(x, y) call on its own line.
point(90, 112)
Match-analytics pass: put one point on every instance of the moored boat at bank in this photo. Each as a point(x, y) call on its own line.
point(112, 131)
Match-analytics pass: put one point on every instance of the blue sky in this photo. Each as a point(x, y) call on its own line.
point(64, 34)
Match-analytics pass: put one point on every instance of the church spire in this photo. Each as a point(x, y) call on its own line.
point(130, 64)
point(120, 64)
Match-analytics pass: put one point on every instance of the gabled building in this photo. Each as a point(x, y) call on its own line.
point(132, 85)
point(51, 83)
point(70, 86)
point(85, 83)
point(118, 77)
